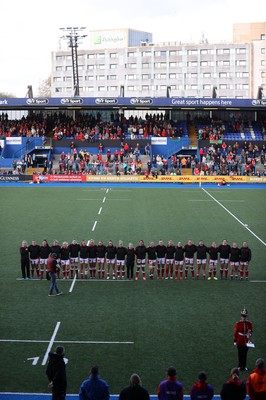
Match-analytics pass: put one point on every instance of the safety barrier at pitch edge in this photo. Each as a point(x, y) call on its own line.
point(133, 178)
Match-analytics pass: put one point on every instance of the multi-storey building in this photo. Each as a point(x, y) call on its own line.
point(129, 59)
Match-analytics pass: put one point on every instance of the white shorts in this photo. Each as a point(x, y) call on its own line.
point(110, 261)
point(234, 264)
point(100, 260)
point(189, 261)
point(35, 261)
point(244, 262)
point(65, 262)
point(120, 262)
point(74, 260)
point(224, 260)
point(161, 261)
point(169, 261)
point(179, 262)
point(152, 262)
point(92, 260)
point(141, 261)
point(83, 260)
point(201, 261)
point(213, 263)
point(43, 261)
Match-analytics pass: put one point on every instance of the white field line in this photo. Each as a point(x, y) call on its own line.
point(87, 199)
point(238, 220)
point(104, 199)
point(242, 201)
point(107, 190)
point(63, 341)
point(73, 283)
point(45, 358)
point(254, 281)
point(99, 212)
point(94, 226)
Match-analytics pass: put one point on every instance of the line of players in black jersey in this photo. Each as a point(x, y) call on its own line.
point(88, 260)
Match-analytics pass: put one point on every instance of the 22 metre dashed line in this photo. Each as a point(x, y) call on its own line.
point(238, 220)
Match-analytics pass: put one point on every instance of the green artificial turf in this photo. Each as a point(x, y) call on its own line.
point(187, 324)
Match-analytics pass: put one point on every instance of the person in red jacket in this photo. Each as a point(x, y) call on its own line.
point(242, 333)
point(256, 382)
point(234, 388)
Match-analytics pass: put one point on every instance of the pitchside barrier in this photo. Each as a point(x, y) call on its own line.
point(39, 178)
point(43, 396)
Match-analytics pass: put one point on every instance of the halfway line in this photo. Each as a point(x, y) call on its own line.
point(238, 220)
point(63, 341)
point(73, 283)
point(44, 361)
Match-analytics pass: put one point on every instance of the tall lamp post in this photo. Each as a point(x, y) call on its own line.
point(73, 36)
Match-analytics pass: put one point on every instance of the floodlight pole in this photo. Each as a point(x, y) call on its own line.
point(73, 35)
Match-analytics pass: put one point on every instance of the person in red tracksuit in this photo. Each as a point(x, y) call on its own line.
point(242, 333)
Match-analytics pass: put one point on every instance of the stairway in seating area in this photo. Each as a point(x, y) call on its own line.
point(193, 135)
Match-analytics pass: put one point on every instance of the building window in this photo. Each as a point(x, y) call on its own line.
point(241, 63)
point(69, 68)
point(100, 55)
point(223, 75)
point(131, 88)
point(68, 78)
point(241, 51)
point(145, 76)
point(172, 64)
point(90, 67)
point(192, 52)
point(113, 66)
point(59, 68)
point(206, 87)
point(194, 87)
point(206, 75)
point(101, 77)
point(89, 78)
point(131, 54)
point(113, 55)
point(172, 53)
point(90, 56)
point(101, 66)
point(172, 76)
point(146, 53)
point(131, 76)
point(223, 86)
point(68, 58)
point(262, 50)
point(160, 65)
point(204, 63)
point(145, 87)
point(132, 65)
point(204, 51)
point(59, 58)
point(58, 79)
point(101, 88)
point(145, 65)
point(262, 63)
point(192, 64)
point(113, 88)
point(58, 90)
point(112, 77)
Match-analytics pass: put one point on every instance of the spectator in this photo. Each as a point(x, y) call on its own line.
point(25, 260)
point(94, 388)
point(234, 388)
point(171, 389)
point(134, 391)
point(56, 372)
point(202, 389)
point(256, 382)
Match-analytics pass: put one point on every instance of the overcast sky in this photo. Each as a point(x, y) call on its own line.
point(30, 28)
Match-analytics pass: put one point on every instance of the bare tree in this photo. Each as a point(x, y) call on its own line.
point(6, 95)
point(44, 90)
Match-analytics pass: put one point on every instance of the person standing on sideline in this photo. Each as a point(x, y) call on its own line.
point(202, 389)
point(171, 389)
point(242, 332)
point(245, 258)
point(94, 388)
point(134, 391)
point(234, 388)
point(52, 270)
point(256, 382)
point(56, 372)
point(130, 261)
point(24, 260)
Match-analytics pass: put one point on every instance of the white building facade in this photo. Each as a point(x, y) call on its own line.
point(129, 59)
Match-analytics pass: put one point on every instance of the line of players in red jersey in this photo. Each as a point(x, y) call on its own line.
point(87, 259)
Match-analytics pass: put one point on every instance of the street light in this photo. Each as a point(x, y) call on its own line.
point(73, 36)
